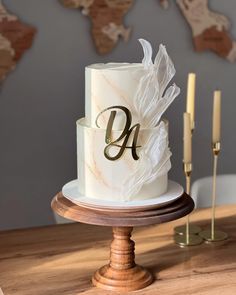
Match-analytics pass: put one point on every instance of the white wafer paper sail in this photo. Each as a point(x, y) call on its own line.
point(151, 101)
point(154, 162)
point(152, 98)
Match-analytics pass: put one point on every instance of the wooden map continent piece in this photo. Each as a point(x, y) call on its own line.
point(15, 39)
point(210, 29)
point(164, 3)
point(107, 20)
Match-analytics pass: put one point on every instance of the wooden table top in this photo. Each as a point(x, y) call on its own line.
point(61, 259)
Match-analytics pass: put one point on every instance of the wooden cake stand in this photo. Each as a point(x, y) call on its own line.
point(122, 274)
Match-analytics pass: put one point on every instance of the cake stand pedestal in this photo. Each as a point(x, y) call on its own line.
point(122, 274)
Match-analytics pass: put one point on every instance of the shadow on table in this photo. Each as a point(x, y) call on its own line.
point(176, 259)
point(64, 262)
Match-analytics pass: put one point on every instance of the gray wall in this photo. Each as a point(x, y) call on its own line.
point(41, 100)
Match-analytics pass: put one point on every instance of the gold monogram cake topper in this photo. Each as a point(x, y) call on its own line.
point(125, 134)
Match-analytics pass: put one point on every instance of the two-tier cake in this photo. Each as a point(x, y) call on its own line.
point(122, 143)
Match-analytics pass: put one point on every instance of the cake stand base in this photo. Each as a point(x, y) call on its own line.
point(122, 274)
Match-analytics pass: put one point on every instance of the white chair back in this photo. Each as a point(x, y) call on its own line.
point(201, 191)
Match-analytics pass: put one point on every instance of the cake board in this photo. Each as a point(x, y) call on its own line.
point(122, 273)
point(72, 192)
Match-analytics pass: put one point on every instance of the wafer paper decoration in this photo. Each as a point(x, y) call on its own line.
point(152, 98)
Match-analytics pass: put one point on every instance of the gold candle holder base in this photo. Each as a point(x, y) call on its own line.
point(193, 229)
point(193, 240)
point(217, 237)
point(186, 235)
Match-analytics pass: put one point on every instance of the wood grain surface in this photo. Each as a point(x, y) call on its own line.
point(61, 259)
point(181, 207)
point(122, 273)
point(107, 20)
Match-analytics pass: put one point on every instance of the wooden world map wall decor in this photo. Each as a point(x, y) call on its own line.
point(107, 20)
point(210, 30)
point(164, 3)
point(15, 38)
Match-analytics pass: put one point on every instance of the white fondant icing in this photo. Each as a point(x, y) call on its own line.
point(108, 85)
point(143, 89)
point(104, 179)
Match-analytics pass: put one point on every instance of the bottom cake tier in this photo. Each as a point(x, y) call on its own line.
point(123, 179)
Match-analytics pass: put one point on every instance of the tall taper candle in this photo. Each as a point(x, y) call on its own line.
point(190, 107)
point(187, 139)
point(216, 119)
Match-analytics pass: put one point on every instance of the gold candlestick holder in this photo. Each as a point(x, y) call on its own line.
point(193, 229)
point(186, 235)
point(213, 235)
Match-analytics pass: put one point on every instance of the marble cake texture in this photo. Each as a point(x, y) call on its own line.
point(122, 143)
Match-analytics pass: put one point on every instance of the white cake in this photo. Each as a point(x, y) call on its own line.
point(122, 143)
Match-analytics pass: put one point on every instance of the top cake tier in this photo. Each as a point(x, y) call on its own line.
point(109, 85)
